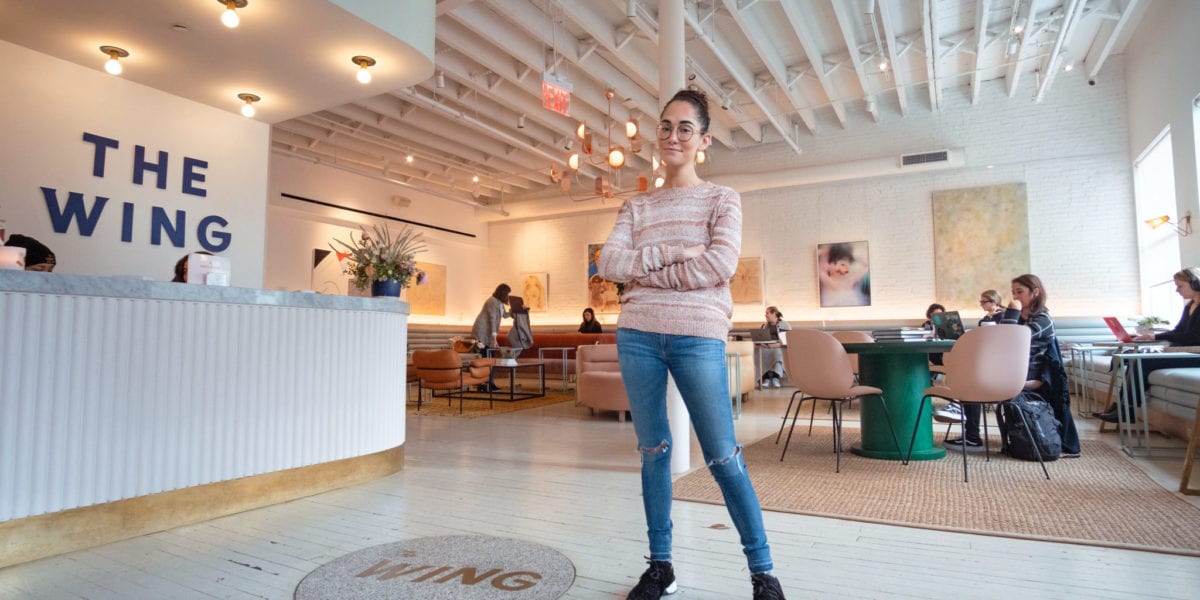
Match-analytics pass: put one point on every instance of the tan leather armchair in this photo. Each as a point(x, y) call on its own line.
point(599, 385)
point(444, 370)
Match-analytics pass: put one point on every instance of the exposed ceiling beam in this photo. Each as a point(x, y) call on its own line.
point(745, 78)
point(932, 45)
point(846, 23)
point(768, 52)
point(798, 20)
point(981, 37)
point(1053, 62)
point(1013, 74)
point(1111, 32)
point(888, 13)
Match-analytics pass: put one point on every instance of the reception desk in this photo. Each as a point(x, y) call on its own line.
point(129, 406)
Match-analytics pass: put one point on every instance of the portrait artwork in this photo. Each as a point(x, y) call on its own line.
point(535, 289)
point(844, 274)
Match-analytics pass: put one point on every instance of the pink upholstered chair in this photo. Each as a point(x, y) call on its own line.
point(820, 369)
point(986, 367)
point(599, 385)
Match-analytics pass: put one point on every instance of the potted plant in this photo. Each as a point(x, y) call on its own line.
point(381, 262)
point(1145, 325)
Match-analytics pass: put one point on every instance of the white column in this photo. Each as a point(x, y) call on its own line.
point(670, 80)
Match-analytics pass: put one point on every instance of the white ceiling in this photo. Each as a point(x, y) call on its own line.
point(789, 71)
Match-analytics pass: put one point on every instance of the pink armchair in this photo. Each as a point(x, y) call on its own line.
point(599, 385)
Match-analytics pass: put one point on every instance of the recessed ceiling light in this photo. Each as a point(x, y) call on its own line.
point(180, 28)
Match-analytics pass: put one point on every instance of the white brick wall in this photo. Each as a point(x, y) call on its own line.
point(1070, 151)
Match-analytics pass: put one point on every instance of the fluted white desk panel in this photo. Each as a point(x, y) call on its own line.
point(115, 388)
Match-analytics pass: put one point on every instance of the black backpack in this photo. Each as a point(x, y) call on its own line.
point(1015, 442)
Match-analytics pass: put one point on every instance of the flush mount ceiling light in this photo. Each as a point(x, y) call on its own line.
point(363, 62)
point(230, 17)
point(112, 65)
point(248, 110)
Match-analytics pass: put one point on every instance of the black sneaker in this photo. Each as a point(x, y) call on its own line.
point(766, 587)
point(958, 443)
point(656, 582)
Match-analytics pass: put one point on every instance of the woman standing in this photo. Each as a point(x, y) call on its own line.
point(771, 354)
point(487, 328)
point(675, 248)
point(590, 324)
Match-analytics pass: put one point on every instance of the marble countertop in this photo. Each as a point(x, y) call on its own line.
point(134, 287)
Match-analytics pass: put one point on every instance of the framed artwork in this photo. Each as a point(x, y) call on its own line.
point(980, 241)
point(430, 298)
point(535, 289)
point(746, 285)
point(602, 293)
point(327, 275)
point(844, 274)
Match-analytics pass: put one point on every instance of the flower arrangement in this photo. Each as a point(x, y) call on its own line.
point(1145, 324)
point(377, 256)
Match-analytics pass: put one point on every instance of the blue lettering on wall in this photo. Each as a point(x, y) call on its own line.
point(224, 237)
point(141, 165)
point(61, 217)
point(190, 175)
point(102, 145)
point(160, 222)
point(127, 222)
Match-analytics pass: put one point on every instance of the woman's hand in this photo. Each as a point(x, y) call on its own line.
point(1144, 337)
point(691, 252)
point(1014, 303)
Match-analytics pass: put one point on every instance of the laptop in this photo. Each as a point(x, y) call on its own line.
point(762, 336)
point(516, 304)
point(947, 325)
point(1118, 329)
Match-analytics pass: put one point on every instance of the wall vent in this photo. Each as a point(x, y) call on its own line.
point(923, 158)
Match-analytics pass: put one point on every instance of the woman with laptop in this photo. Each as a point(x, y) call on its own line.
point(1185, 333)
point(770, 354)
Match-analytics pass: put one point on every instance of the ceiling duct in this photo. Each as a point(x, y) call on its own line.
point(924, 158)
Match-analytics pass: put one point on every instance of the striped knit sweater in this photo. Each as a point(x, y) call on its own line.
point(664, 293)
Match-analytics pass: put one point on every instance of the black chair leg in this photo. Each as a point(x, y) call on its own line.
point(813, 414)
point(1036, 450)
point(887, 413)
point(916, 424)
point(793, 428)
point(837, 434)
point(962, 430)
point(983, 411)
point(786, 412)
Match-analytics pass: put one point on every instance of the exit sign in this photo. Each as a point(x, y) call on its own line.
point(556, 94)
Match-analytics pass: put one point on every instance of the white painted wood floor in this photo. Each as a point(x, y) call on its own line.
point(560, 477)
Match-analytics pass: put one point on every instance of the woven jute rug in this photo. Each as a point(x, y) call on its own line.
point(1100, 498)
point(479, 408)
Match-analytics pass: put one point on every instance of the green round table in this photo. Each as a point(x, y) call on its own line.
point(901, 370)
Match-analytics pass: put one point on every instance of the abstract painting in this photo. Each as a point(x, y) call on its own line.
point(602, 293)
point(746, 286)
point(430, 298)
point(980, 241)
point(844, 274)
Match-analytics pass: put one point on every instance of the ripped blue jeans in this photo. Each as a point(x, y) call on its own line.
point(698, 366)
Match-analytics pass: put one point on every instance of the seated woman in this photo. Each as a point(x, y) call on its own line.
point(590, 324)
point(770, 356)
point(1185, 333)
point(1028, 307)
point(992, 305)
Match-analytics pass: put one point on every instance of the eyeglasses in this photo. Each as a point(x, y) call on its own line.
point(683, 133)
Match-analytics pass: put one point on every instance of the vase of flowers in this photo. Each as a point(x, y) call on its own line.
point(1145, 325)
point(381, 262)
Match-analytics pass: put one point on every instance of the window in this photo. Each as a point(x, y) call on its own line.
point(1158, 249)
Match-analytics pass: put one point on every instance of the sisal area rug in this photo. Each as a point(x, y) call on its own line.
point(479, 408)
point(1100, 498)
